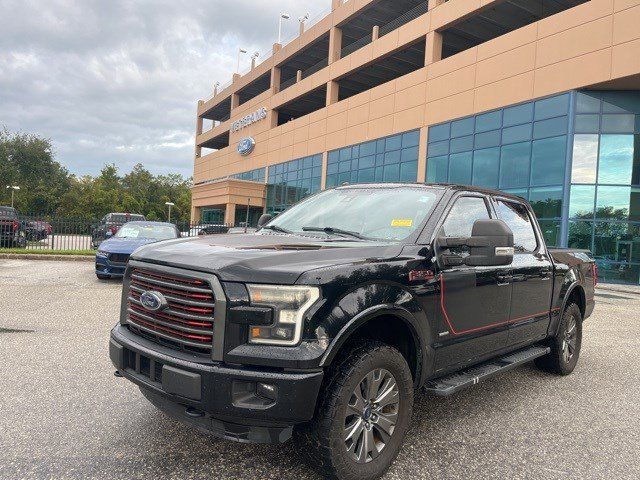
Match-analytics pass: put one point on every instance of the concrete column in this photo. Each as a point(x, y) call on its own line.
point(235, 101)
point(336, 3)
point(235, 77)
point(195, 214)
point(275, 80)
point(253, 62)
point(375, 33)
point(333, 89)
point(323, 179)
point(198, 151)
point(199, 125)
point(301, 31)
point(422, 155)
point(433, 50)
point(298, 75)
point(230, 214)
point(335, 44)
point(435, 3)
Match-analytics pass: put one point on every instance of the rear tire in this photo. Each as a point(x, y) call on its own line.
point(103, 277)
point(363, 414)
point(565, 347)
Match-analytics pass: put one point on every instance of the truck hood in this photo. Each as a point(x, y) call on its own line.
point(262, 257)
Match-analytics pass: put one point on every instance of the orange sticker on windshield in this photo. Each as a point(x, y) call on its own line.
point(402, 222)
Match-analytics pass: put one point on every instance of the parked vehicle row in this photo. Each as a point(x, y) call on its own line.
point(12, 231)
point(324, 323)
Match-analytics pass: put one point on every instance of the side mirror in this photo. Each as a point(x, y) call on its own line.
point(490, 244)
point(264, 219)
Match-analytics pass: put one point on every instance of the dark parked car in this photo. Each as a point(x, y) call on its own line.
point(36, 230)
point(12, 234)
point(113, 254)
point(327, 321)
point(212, 229)
point(110, 224)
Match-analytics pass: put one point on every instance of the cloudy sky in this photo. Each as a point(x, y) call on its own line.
point(118, 80)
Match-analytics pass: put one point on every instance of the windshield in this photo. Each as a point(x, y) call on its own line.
point(156, 232)
point(390, 214)
point(7, 212)
point(125, 218)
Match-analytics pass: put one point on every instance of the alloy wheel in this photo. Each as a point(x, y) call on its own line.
point(570, 339)
point(371, 415)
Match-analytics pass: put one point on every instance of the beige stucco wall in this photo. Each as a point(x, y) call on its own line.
point(593, 43)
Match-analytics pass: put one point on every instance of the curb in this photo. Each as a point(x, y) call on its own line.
point(35, 256)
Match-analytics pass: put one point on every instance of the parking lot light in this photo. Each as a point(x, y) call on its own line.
point(169, 204)
point(13, 191)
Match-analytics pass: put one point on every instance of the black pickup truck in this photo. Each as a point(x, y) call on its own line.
point(324, 323)
point(12, 232)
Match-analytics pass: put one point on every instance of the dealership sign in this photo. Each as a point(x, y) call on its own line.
point(246, 146)
point(249, 120)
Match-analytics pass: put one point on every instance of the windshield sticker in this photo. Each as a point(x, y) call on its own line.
point(402, 222)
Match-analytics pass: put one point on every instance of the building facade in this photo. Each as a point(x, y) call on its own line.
point(540, 98)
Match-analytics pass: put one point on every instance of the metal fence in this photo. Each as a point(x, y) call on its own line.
point(45, 232)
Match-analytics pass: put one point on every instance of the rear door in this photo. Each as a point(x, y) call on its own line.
point(474, 301)
point(532, 274)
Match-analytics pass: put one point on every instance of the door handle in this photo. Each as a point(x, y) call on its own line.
point(545, 273)
point(504, 280)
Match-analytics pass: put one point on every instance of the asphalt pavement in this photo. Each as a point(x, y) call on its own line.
point(64, 415)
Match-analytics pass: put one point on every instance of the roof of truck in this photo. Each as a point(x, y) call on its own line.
point(443, 186)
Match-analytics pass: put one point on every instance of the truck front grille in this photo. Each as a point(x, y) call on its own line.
point(187, 323)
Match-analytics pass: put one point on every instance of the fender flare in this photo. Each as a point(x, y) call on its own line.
point(403, 315)
point(565, 299)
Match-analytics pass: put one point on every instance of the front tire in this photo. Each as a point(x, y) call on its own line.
point(363, 414)
point(565, 347)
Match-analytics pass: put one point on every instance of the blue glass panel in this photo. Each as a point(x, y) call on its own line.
point(393, 143)
point(344, 177)
point(439, 132)
point(580, 235)
point(438, 148)
point(391, 173)
point(486, 165)
point(317, 160)
point(488, 121)
point(585, 159)
point(368, 148)
point(437, 169)
point(586, 103)
point(618, 203)
point(409, 172)
point(487, 139)
point(380, 145)
point(366, 162)
point(550, 128)
point(332, 168)
point(317, 172)
point(551, 232)
point(552, 107)
point(548, 159)
point(460, 168)
point(617, 241)
point(618, 123)
point(367, 175)
point(587, 124)
point(463, 127)
point(518, 192)
point(379, 159)
point(514, 165)
point(379, 174)
point(355, 151)
point(392, 157)
point(308, 162)
point(411, 139)
point(546, 201)
point(518, 115)
point(582, 201)
point(616, 159)
point(334, 156)
point(344, 166)
point(409, 154)
point(345, 154)
point(516, 134)
point(462, 144)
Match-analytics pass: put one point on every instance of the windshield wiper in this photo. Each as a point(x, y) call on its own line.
point(276, 228)
point(337, 231)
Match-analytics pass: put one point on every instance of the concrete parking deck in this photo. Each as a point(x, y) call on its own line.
point(64, 415)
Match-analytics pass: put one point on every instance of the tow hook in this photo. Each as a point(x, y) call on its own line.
point(117, 374)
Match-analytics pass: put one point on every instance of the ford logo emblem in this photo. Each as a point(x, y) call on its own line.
point(246, 146)
point(153, 301)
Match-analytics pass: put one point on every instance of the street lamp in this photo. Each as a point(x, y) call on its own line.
point(283, 16)
point(305, 18)
point(169, 204)
point(13, 191)
point(240, 52)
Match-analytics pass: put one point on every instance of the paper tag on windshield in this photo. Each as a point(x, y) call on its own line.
point(402, 222)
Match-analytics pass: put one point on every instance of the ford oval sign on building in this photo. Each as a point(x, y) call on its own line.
point(246, 146)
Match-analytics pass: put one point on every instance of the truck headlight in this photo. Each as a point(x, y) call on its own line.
point(289, 303)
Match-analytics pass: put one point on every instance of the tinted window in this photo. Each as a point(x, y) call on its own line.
point(517, 217)
point(463, 214)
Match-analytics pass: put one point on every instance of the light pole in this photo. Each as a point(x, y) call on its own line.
point(13, 191)
point(169, 204)
point(302, 21)
point(283, 16)
point(240, 52)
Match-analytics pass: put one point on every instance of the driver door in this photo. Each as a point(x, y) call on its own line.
point(475, 302)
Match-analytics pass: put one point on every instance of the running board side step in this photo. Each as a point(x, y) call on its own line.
point(453, 383)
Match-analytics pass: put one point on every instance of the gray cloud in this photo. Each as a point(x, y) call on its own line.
point(118, 81)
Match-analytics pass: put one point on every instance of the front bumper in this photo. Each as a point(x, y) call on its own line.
point(105, 267)
point(227, 401)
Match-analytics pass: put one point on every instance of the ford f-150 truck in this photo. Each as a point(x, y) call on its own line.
point(324, 323)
